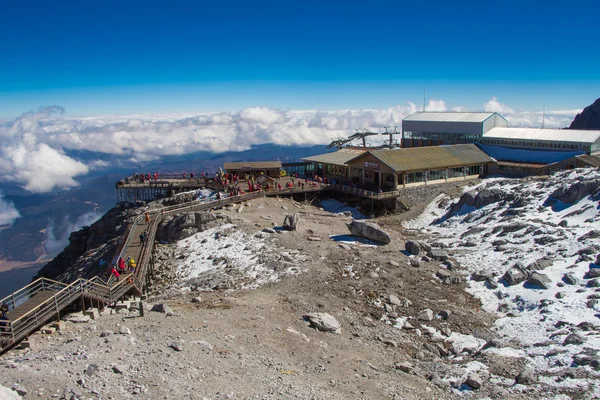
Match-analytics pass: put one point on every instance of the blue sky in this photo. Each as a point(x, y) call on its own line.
point(123, 57)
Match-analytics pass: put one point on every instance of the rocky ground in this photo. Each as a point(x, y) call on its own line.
point(237, 322)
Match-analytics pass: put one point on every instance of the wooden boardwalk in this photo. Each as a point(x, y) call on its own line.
point(32, 303)
point(42, 300)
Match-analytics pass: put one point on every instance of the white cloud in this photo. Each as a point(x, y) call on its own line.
point(57, 234)
point(27, 158)
point(493, 105)
point(43, 150)
point(8, 212)
point(436, 105)
point(534, 119)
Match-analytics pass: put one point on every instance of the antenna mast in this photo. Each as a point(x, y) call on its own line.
point(544, 116)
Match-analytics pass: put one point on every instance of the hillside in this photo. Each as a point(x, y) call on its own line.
point(589, 118)
point(430, 315)
point(46, 220)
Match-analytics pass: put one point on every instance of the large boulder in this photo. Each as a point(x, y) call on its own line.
point(291, 222)
point(180, 198)
point(539, 280)
point(323, 322)
point(487, 197)
point(515, 275)
point(570, 279)
point(413, 247)
point(162, 308)
point(541, 263)
point(483, 198)
point(369, 230)
point(8, 394)
point(481, 276)
point(576, 191)
point(593, 272)
point(178, 227)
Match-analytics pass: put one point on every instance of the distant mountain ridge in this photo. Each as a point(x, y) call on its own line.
point(589, 118)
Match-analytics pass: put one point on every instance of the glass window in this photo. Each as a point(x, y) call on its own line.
point(434, 175)
point(412, 177)
point(474, 170)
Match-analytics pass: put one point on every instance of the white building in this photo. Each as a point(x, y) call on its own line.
point(544, 139)
point(427, 128)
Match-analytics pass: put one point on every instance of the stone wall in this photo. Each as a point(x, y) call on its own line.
point(422, 195)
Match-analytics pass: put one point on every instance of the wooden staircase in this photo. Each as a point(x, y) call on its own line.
point(44, 299)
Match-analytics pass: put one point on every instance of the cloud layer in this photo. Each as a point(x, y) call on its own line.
point(57, 234)
point(39, 149)
point(8, 212)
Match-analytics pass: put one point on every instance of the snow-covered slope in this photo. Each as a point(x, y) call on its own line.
point(508, 222)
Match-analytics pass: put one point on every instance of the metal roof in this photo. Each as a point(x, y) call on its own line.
point(548, 135)
point(433, 157)
point(234, 166)
point(340, 157)
point(435, 116)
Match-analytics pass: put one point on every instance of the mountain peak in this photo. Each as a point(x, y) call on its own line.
point(589, 118)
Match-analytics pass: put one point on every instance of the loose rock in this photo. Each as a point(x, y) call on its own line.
point(323, 322)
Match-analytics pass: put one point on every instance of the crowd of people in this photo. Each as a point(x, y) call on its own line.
point(230, 180)
point(122, 266)
point(232, 183)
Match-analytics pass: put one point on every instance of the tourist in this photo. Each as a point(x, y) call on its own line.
point(115, 272)
point(147, 218)
point(4, 321)
point(121, 265)
point(3, 307)
point(131, 263)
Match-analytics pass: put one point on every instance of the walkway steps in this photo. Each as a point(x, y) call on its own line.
point(30, 304)
point(44, 299)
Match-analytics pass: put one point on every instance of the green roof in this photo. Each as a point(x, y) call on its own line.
point(340, 157)
point(432, 157)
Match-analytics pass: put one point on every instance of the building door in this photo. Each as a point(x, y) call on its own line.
point(376, 179)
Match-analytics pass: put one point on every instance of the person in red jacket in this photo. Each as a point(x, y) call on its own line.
point(121, 268)
point(115, 272)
